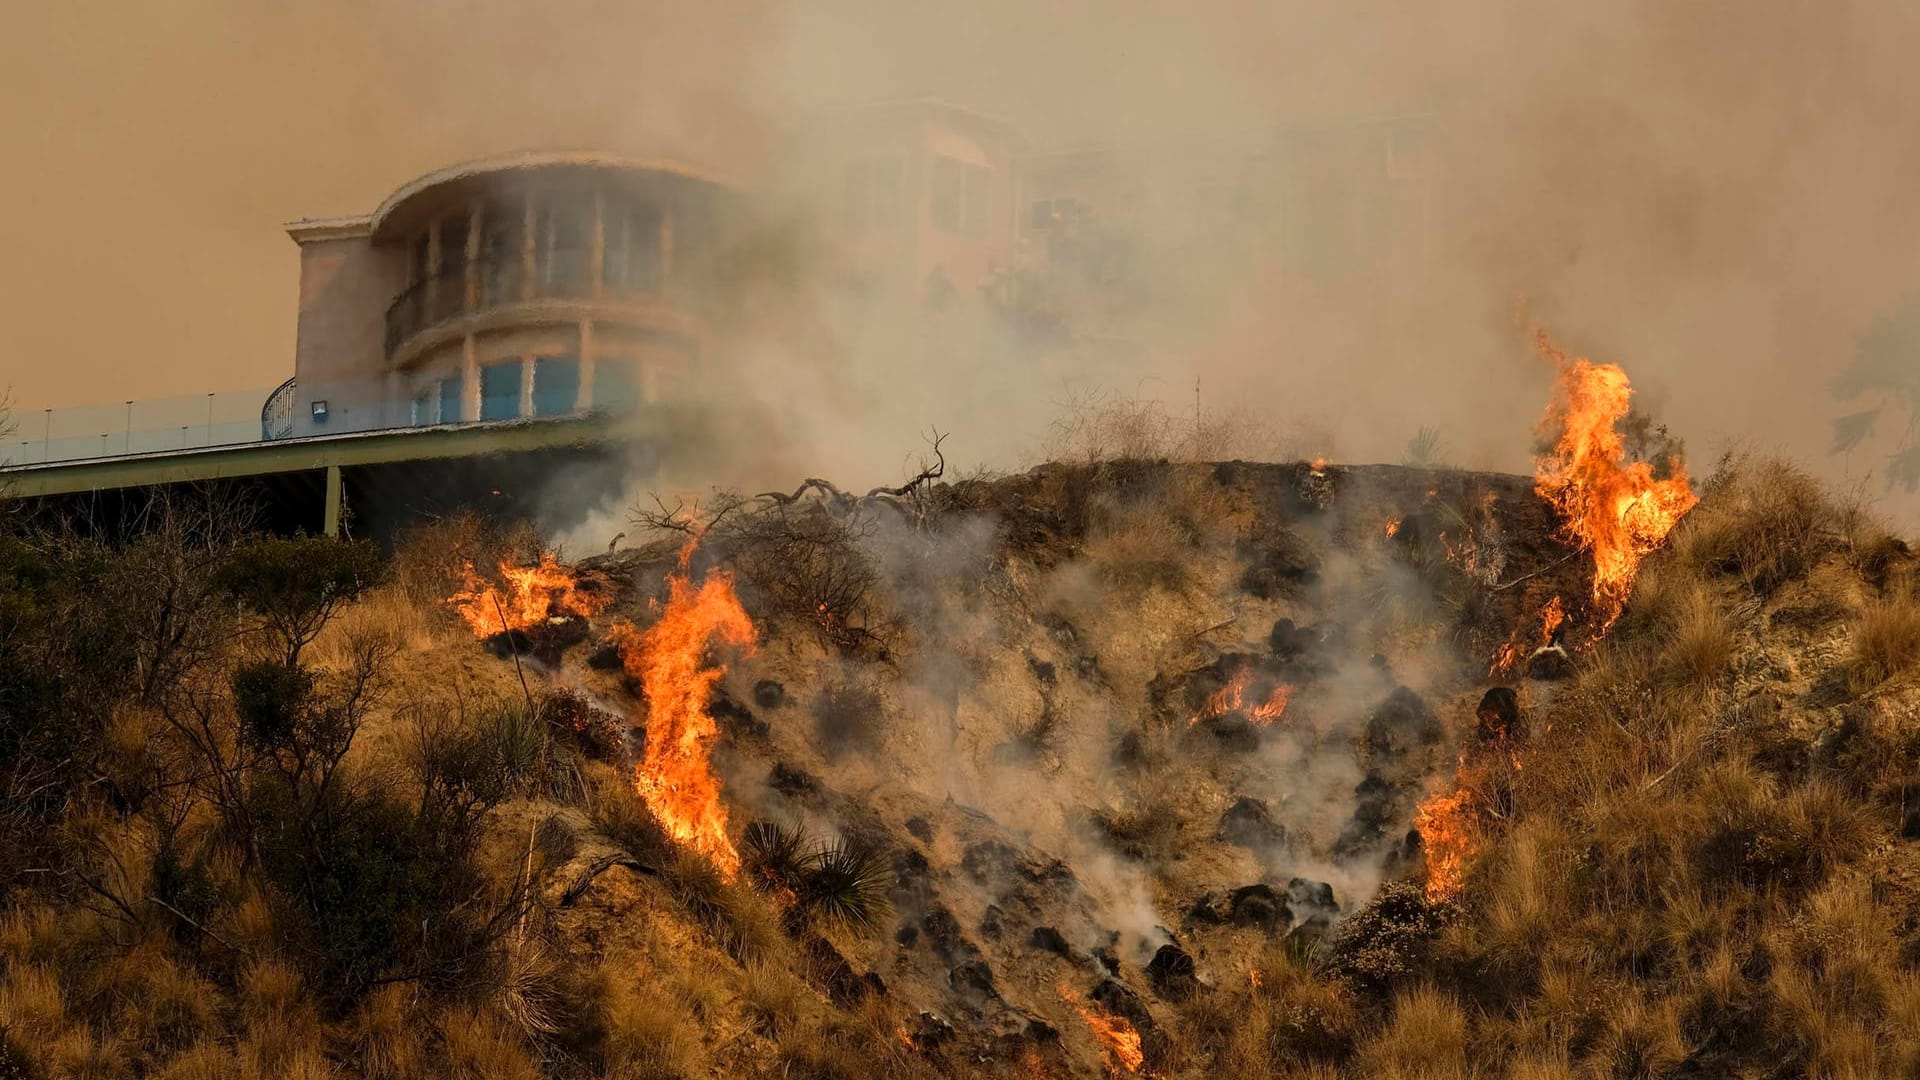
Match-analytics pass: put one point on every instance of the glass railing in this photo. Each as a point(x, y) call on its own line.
point(565, 274)
point(237, 417)
point(141, 426)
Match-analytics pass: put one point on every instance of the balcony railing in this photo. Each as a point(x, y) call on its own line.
point(564, 274)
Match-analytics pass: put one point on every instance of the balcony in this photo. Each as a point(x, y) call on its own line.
point(488, 285)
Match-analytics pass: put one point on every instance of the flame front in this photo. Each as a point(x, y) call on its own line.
point(1231, 698)
point(675, 777)
point(1116, 1033)
point(533, 595)
point(1611, 505)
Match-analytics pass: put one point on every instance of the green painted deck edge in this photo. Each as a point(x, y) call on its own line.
point(317, 452)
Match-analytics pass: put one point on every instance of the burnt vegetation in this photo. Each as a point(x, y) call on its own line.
point(270, 810)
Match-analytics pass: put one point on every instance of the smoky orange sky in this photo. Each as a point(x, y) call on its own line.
point(1718, 194)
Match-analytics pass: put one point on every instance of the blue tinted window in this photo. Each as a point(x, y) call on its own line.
point(500, 390)
point(615, 385)
point(556, 385)
point(449, 400)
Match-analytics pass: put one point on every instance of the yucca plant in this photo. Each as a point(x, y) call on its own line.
point(777, 855)
point(848, 883)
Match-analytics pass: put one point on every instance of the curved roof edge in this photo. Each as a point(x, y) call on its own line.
point(539, 159)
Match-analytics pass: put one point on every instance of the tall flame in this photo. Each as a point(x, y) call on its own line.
point(675, 777)
point(533, 595)
point(1609, 504)
point(1116, 1033)
point(1445, 823)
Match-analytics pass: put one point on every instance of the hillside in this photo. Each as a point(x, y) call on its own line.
point(1145, 767)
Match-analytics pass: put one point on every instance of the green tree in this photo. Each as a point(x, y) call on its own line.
point(1885, 374)
point(295, 584)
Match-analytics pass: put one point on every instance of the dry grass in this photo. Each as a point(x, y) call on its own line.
point(1762, 522)
point(1698, 642)
point(1886, 643)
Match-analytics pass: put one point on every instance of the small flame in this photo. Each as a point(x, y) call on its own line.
point(1449, 821)
point(1507, 657)
point(533, 595)
point(1393, 528)
point(1254, 981)
point(1319, 464)
point(1232, 698)
point(1116, 1034)
point(1611, 505)
point(1551, 617)
point(675, 777)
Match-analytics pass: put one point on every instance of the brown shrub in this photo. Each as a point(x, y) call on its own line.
point(1762, 522)
point(1697, 642)
point(1886, 643)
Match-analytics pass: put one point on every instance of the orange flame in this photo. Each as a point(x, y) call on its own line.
point(675, 777)
point(1507, 657)
point(1231, 698)
point(1116, 1034)
point(533, 595)
point(1606, 503)
point(1393, 528)
point(1254, 981)
point(1318, 464)
point(1445, 822)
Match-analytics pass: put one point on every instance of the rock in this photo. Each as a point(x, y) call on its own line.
point(943, 933)
point(1311, 935)
point(1498, 715)
point(1040, 1031)
point(605, 656)
point(1376, 806)
point(1047, 939)
point(734, 718)
point(1113, 996)
point(1549, 663)
point(1287, 641)
point(931, 1032)
point(1171, 971)
point(1207, 909)
point(1258, 905)
point(974, 976)
point(769, 694)
point(1312, 895)
point(921, 829)
point(1248, 824)
point(993, 922)
point(1107, 959)
point(1401, 724)
point(791, 781)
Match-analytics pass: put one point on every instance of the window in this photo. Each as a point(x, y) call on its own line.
point(450, 393)
point(615, 386)
point(502, 224)
point(961, 202)
point(631, 262)
point(565, 218)
point(453, 244)
point(500, 390)
point(420, 413)
point(556, 385)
